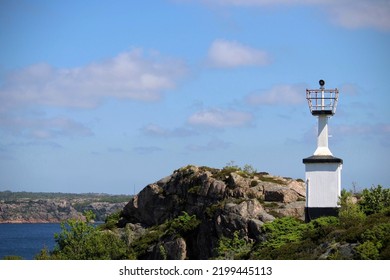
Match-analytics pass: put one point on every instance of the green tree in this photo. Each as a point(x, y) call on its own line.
point(350, 213)
point(81, 240)
point(249, 169)
point(44, 254)
point(375, 200)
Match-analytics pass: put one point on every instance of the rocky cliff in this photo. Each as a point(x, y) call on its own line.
point(186, 214)
point(26, 207)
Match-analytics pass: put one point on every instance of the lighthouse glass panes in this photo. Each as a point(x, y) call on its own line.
point(322, 101)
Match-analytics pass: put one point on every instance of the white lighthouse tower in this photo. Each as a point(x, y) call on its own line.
point(322, 169)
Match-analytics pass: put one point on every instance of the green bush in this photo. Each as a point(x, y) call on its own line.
point(368, 251)
point(288, 238)
point(233, 248)
point(111, 221)
point(195, 189)
point(12, 257)
point(183, 224)
point(254, 183)
point(180, 226)
point(282, 231)
point(321, 227)
point(374, 239)
point(140, 246)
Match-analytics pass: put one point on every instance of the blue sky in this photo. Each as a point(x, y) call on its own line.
point(108, 96)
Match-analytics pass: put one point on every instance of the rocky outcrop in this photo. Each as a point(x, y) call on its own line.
point(225, 202)
point(54, 210)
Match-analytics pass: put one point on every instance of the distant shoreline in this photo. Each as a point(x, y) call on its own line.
point(44, 208)
point(30, 222)
point(40, 222)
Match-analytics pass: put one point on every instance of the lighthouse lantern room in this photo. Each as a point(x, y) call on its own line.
point(322, 169)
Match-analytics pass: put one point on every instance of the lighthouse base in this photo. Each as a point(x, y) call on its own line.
point(323, 186)
point(312, 213)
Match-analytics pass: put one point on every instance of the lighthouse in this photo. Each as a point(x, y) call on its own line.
point(322, 169)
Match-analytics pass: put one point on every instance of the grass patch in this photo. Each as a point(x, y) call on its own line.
point(267, 178)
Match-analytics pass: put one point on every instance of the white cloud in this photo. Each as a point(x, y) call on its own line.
point(130, 75)
point(361, 13)
point(231, 54)
point(44, 128)
point(213, 145)
point(156, 130)
point(219, 118)
point(368, 132)
point(350, 89)
point(264, 2)
point(114, 150)
point(279, 95)
point(145, 150)
point(346, 13)
point(382, 129)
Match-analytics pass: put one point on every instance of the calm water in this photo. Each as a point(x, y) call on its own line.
point(26, 240)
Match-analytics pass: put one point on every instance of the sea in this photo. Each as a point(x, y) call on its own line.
point(26, 240)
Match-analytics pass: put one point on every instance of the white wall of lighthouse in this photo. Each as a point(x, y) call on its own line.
point(323, 184)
